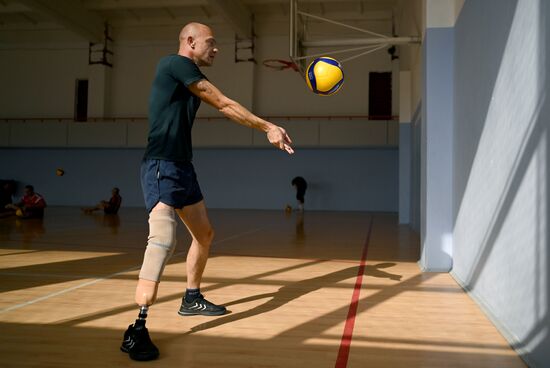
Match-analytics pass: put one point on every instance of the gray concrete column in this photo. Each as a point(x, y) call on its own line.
point(436, 153)
point(405, 147)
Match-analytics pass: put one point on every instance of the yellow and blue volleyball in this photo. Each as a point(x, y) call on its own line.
point(324, 76)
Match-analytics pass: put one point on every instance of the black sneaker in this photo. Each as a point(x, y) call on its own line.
point(200, 306)
point(138, 344)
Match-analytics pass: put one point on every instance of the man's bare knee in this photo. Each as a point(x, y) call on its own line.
point(206, 238)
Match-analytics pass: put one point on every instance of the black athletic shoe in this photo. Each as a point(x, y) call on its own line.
point(200, 306)
point(138, 344)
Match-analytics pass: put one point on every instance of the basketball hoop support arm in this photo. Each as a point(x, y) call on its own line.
point(297, 42)
point(361, 42)
point(378, 39)
point(293, 51)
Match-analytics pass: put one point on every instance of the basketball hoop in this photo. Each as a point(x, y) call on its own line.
point(278, 64)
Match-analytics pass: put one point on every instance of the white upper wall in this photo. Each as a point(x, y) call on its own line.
point(405, 113)
point(39, 81)
point(442, 13)
point(413, 17)
point(458, 9)
point(411, 20)
point(38, 71)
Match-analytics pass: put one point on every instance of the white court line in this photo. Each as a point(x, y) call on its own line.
point(51, 275)
point(88, 283)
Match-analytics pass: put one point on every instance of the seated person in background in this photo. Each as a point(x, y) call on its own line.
point(301, 185)
point(109, 207)
point(7, 189)
point(31, 205)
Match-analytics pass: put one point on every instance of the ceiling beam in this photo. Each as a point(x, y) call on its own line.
point(205, 11)
point(29, 18)
point(385, 3)
point(71, 15)
point(237, 14)
point(141, 4)
point(11, 7)
point(169, 12)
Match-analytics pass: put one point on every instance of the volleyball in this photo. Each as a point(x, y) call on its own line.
point(324, 76)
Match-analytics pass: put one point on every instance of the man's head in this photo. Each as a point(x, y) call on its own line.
point(115, 191)
point(197, 42)
point(28, 190)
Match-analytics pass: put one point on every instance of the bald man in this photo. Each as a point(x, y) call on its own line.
point(169, 182)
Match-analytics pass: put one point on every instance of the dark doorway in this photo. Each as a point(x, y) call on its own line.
point(380, 96)
point(81, 100)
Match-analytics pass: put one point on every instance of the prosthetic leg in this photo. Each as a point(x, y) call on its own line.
point(160, 247)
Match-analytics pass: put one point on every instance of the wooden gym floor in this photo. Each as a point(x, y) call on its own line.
point(292, 284)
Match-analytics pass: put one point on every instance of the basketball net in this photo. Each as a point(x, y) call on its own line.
point(279, 64)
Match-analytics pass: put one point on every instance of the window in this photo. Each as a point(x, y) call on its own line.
point(380, 96)
point(81, 100)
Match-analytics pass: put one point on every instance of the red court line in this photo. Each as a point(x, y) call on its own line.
point(343, 352)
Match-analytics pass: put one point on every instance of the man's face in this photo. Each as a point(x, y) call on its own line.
point(27, 192)
point(205, 47)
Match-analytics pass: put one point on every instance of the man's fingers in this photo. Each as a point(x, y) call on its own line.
point(284, 147)
point(287, 139)
point(280, 139)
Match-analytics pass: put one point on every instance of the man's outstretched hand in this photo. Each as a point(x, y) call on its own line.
point(277, 136)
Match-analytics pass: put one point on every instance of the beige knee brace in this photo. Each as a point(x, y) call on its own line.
point(160, 245)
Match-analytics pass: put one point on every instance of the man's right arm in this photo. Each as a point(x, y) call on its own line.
point(208, 93)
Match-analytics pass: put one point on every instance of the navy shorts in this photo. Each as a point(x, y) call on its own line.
point(169, 182)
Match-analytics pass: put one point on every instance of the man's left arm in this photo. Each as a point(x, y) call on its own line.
point(39, 202)
point(208, 93)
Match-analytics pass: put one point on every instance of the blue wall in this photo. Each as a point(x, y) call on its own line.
point(405, 161)
point(416, 133)
point(339, 179)
point(501, 171)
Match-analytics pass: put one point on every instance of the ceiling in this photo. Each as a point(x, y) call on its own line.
point(32, 13)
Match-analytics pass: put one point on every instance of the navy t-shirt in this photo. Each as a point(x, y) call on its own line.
point(172, 109)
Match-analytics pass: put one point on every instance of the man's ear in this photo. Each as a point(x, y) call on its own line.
point(191, 42)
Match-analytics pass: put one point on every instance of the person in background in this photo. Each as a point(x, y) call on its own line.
point(31, 204)
point(301, 185)
point(7, 189)
point(109, 207)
